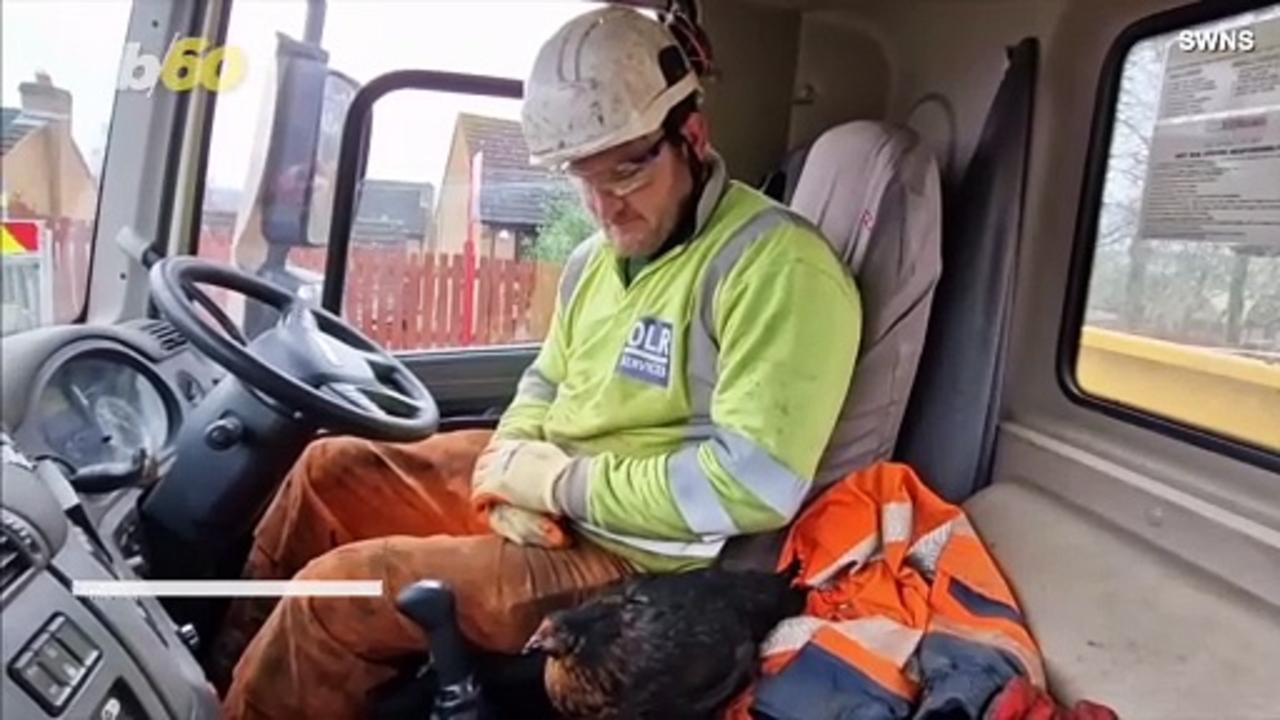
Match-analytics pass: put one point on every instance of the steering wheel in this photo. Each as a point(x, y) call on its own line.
point(312, 362)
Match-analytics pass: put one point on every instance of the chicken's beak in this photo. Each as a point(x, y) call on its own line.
point(542, 640)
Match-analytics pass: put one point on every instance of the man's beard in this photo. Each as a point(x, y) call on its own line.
point(681, 229)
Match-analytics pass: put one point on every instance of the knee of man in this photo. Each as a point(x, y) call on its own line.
point(359, 561)
point(370, 622)
point(332, 460)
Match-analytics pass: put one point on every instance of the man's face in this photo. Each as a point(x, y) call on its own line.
point(636, 190)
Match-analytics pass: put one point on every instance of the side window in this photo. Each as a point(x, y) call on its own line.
point(60, 81)
point(456, 241)
point(1182, 315)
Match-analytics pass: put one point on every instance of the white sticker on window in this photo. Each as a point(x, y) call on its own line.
point(1214, 170)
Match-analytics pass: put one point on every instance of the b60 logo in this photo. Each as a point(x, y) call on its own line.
point(189, 62)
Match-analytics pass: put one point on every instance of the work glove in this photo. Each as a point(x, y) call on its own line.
point(523, 473)
point(526, 527)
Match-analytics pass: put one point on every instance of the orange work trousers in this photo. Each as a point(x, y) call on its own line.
point(354, 509)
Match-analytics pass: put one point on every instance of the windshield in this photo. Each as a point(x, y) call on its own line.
point(60, 62)
point(456, 239)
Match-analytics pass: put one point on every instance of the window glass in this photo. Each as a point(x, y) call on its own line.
point(462, 245)
point(457, 240)
point(1183, 311)
point(60, 64)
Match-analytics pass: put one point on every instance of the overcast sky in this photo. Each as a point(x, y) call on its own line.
point(79, 43)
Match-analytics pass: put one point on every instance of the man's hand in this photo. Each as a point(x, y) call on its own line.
point(521, 473)
point(525, 527)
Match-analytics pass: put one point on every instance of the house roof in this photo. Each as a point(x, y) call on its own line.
point(512, 192)
point(16, 125)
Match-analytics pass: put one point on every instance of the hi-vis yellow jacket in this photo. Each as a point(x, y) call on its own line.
point(698, 399)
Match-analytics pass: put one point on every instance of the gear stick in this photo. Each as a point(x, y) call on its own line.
point(430, 604)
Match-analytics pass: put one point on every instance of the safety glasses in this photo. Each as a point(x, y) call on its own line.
point(624, 178)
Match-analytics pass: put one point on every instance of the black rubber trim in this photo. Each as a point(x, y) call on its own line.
point(1087, 227)
point(192, 244)
point(173, 158)
point(354, 153)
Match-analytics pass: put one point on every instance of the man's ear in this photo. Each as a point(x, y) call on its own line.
point(697, 134)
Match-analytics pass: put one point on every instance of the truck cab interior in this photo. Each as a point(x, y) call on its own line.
point(318, 218)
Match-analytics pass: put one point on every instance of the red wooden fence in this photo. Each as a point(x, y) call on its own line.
point(402, 298)
point(409, 300)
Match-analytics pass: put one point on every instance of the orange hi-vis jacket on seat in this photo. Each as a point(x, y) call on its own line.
point(907, 613)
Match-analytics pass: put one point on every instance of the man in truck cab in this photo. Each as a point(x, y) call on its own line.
point(699, 354)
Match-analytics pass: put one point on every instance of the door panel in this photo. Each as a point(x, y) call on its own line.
point(472, 387)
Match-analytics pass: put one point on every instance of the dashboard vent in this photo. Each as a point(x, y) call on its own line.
point(165, 334)
point(13, 562)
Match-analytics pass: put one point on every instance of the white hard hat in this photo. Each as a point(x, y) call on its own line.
point(605, 78)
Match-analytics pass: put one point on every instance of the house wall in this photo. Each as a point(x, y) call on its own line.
point(455, 195)
point(44, 172)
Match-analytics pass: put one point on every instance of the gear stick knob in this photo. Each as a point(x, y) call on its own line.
point(430, 604)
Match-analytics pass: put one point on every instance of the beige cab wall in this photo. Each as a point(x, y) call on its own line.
point(952, 48)
point(842, 74)
point(749, 103)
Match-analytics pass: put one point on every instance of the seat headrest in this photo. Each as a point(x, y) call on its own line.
point(845, 178)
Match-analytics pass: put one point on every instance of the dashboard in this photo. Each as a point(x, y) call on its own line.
point(99, 408)
point(76, 397)
point(83, 396)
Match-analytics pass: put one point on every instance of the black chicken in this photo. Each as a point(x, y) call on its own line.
point(662, 647)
